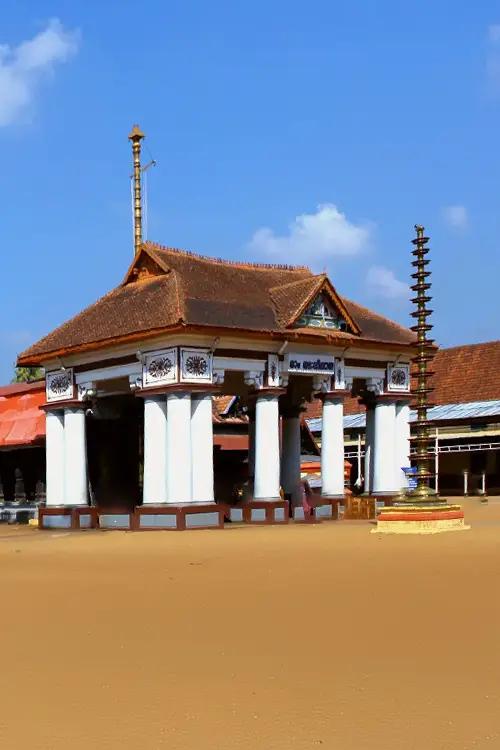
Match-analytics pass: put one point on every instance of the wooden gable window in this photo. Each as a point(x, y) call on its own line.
point(321, 314)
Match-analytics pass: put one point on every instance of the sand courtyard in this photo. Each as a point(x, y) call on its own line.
point(251, 637)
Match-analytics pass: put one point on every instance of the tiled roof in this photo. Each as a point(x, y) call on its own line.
point(168, 288)
point(466, 373)
point(22, 422)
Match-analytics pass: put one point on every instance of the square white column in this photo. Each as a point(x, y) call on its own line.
point(369, 435)
point(179, 482)
point(332, 446)
point(54, 453)
point(385, 479)
point(291, 455)
point(402, 441)
point(75, 457)
point(202, 448)
point(154, 490)
point(251, 444)
point(267, 447)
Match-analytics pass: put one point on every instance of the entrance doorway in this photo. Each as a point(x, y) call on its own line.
point(114, 452)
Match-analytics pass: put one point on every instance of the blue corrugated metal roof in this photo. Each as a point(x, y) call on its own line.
point(443, 413)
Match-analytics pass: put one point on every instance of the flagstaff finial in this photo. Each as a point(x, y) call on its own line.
point(136, 136)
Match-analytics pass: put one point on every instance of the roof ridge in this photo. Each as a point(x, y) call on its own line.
point(313, 276)
point(181, 308)
point(225, 261)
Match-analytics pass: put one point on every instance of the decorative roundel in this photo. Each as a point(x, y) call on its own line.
point(196, 365)
point(59, 384)
point(161, 367)
point(398, 376)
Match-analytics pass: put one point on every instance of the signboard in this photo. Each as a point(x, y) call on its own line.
point(411, 476)
point(310, 364)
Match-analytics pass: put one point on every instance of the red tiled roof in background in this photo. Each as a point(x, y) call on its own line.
point(466, 373)
point(22, 422)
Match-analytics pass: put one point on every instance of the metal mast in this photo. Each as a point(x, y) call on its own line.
point(136, 136)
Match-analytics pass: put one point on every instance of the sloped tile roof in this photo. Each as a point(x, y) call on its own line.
point(466, 373)
point(181, 288)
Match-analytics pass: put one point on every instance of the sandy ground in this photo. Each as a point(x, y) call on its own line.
point(277, 637)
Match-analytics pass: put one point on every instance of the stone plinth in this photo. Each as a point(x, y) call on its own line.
point(431, 518)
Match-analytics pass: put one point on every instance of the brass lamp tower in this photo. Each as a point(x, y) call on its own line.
point(420, 510)
point(421, 437)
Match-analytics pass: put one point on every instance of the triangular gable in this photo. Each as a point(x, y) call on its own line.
point(319, 306)
point(145, 265)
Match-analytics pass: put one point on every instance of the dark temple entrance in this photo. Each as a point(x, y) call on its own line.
point(114, 448)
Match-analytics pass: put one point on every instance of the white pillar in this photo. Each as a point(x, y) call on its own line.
point(290, 457)
point(202, 449)
point(179, 447)
point(332, 447)
point(54, 452)
point(267, 448)
point(402, 442)
point(369, 432)
point(384, 449)
point(154, 489)
point(251, 445)
point(75, 457)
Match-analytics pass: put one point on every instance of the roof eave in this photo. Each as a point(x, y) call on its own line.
point(331, 339)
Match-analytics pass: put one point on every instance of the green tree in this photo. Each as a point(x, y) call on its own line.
point(27, 374)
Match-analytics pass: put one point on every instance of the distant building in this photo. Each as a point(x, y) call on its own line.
point(466, 418)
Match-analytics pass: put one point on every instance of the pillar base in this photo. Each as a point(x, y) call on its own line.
point(298, 515)
point(179, 517)
point(430, 518)
point(74, 518)
point(327, 507)
point(265, 511)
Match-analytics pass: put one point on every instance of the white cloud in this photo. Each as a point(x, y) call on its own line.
point(23, 67)
point(456, 216)
point(384, 283)
point(313, 238)
point(493, 58)
point(494, 33)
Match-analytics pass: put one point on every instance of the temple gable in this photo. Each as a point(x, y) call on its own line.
point(321, 313)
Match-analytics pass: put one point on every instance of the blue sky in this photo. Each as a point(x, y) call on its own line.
point(315, 133)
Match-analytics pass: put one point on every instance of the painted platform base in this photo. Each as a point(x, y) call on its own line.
point(433, 518)
point(325, 509)
point(143, 518)
point(265, 512)
point(179, 517)
point(64, 517)
point(298, 515)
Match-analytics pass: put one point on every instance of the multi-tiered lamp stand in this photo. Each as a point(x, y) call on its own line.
point(420, 511)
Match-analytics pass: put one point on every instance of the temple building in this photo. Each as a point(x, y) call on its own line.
point(130, 383)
